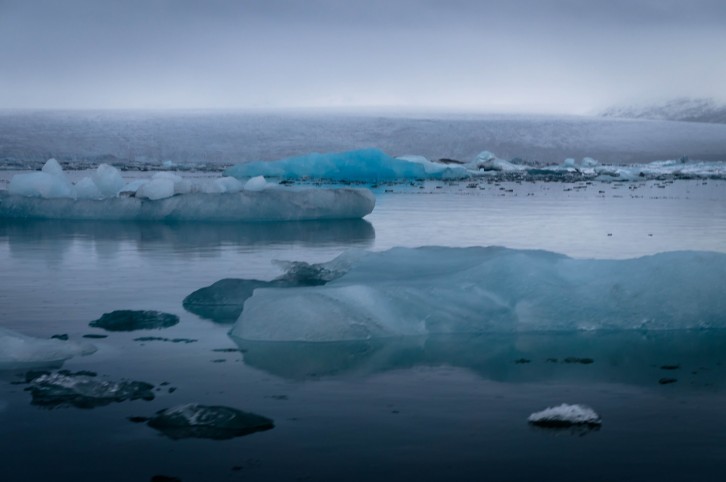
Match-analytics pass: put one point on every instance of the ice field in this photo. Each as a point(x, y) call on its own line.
point(372, 313)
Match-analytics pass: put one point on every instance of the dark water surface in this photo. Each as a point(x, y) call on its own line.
point(435, 408)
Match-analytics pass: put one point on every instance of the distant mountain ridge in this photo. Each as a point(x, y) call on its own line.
point(682, 109)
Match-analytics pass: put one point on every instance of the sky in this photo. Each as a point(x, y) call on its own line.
point(563, 56)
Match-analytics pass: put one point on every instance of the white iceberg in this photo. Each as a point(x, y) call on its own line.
point(436, 290)
point(364, 165)
point(18, 350)
point(277, 204)
point(564, 416)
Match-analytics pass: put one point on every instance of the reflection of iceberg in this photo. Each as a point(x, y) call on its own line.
point(622, 357)
point(366, 165)
point(189, 236)
point(278, 204)
point(18, 350)
point(413, 292)
point(224, 300)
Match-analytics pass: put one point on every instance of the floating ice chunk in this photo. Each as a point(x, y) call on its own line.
point(155, 189)
point(17, 350)
point(87, 189)
point(220, 185)
point(133, 186)
point(564, 416)
point(85, 390)
point(257, 183)
point(244, 206)
point(108, 180)
point(130, 320)
point(212, 422)
point(435, 290)
point(53, 168)
point(486, 161)
point(365, 165)
point(51, 182)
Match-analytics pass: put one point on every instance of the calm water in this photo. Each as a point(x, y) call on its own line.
point(432, 409)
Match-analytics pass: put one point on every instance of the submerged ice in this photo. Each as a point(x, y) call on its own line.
point(436, 290)
point(85, 390)
point(216, 422)
point(18, 350)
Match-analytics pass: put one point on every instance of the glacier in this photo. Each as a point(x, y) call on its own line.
point(439, 290)
point(363, 165)
point(18, 350)
point(278, 204)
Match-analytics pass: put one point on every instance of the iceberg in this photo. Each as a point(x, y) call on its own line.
point(18, 350)
point(276, 204)
point(565, 416)
point(437, 290)
point(364, 165)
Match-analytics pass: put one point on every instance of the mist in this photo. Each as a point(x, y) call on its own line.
point(552, 56)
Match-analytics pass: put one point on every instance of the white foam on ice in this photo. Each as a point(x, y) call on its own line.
point(565, 414)
point(18, 350)
point(436, 290)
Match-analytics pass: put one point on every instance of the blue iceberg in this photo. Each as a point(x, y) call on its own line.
point(436, 290)
point(364, 165)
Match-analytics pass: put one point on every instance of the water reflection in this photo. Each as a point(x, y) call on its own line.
point(54, 235)
point(695, 358)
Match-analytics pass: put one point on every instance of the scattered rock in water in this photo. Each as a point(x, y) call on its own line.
point(224, 300)
point(670, 367)
point(131, 320)
point(207, 421)
point(84, 390)
point(63, 337)
point(227, 350)
point(521, 361)
point(95, 335)
point(582, 361)
point(667, 381)
point(164, 478)
point(565, 415)
point(161, 338)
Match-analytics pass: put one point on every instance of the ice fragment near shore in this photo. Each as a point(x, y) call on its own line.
point(364, 165)
point(18, 350)
point(436, 290)
point(565, 416)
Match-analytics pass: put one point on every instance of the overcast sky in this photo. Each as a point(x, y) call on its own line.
point(571, 56)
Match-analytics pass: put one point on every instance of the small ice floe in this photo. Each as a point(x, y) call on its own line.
point(22, 351)
point(84, 390)
point(207, 421)
point(131, 320)
point(565, 415)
